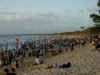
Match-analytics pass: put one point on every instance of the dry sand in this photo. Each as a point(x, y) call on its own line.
point(84, 62)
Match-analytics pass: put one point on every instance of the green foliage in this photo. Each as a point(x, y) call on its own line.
point(98, 4)
point(94, 15)
point(96, 19)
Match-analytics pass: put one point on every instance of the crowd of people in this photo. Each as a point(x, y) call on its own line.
point(37, 48)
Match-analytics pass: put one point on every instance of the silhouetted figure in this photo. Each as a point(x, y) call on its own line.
point(6, 71)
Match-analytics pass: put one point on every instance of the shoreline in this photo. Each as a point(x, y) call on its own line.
point(80, 59)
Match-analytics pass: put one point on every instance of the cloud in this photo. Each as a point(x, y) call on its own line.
point(82, 10)
point(10, 16)
point(49, 15)
point(67, 11)
point(7, 13)
point(48, 22)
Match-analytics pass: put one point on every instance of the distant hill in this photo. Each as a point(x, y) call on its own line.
point(89, 31)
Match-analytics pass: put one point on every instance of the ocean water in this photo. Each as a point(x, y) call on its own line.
point(10, 41)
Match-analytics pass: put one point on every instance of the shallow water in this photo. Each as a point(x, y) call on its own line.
point(10, 41)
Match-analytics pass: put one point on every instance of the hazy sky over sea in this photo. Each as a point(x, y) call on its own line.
point(44, 16)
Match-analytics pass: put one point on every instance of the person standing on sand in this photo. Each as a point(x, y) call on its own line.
point(21, 59)
point(97, 46)
point(37, 59)
point(1, 59)
point(71, 46)
point(83, 42)
point(34, 50)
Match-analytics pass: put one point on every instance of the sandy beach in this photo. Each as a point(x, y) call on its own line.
point(50, 37)
point(84, 62)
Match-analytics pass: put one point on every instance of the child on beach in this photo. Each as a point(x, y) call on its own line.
point(37, 60)
point(13, 71)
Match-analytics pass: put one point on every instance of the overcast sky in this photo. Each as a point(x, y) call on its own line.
point(44, 16)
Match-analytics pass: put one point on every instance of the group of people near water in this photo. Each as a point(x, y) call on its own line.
point(35, 49)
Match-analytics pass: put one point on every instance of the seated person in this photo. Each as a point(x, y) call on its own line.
point(38, 61)
point(6, 71)
point(13, 72)
point(49, 66)
point(68, 65)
